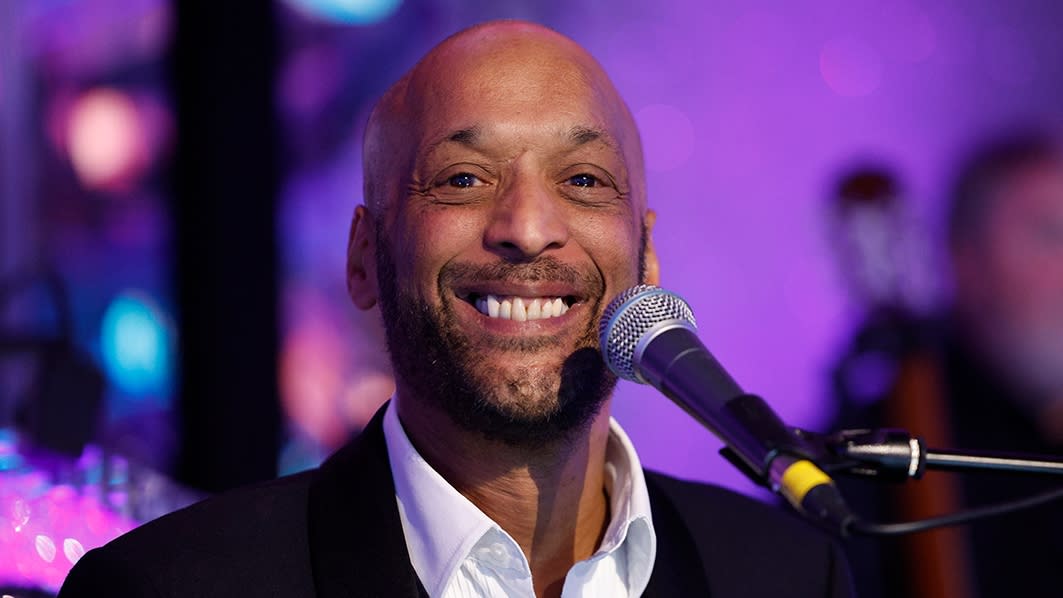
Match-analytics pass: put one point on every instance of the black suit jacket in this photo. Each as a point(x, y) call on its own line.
point(335, 532)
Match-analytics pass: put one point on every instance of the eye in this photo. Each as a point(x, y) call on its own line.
point(463, 180)
point(584, 180)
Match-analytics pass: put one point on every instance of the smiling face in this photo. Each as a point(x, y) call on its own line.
point(511, 215)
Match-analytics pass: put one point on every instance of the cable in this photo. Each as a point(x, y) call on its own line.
point(909, 527)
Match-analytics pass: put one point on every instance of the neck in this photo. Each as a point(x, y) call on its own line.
point(550, 498)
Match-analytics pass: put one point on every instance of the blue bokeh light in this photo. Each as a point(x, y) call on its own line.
point(347, 12)
point(135, 342)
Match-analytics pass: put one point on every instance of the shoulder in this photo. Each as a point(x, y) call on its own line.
point(230, 522)
point(706, 505)
point(738, 534)
point(224, 541)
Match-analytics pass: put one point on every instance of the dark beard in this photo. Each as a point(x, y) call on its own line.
point(439, 365)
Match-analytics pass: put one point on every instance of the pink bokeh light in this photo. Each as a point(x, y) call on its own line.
point(45, 529)
point(105, 140)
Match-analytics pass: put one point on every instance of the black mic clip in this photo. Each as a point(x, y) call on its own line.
point(772, 439)
point(885, 454)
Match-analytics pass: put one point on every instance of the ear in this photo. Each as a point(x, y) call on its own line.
point(361, 260)
point(653, 267)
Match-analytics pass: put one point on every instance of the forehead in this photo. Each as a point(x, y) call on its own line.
point(523, 86)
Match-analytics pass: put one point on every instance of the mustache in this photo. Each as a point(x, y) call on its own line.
point(590, 282)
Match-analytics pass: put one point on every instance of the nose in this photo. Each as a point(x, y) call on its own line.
point(526, 220)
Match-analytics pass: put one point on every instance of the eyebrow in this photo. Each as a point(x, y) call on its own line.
point(578, 135)
point(583, 135)
point(468, 136)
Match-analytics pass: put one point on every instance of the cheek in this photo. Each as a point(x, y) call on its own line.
point(613, 243)
point(431, 238)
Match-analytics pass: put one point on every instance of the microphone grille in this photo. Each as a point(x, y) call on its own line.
point(629, 316)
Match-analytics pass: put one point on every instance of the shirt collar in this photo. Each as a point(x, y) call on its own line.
point(439, 544)
point(631, 525)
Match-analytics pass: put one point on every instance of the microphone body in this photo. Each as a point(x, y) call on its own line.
point(648, 335)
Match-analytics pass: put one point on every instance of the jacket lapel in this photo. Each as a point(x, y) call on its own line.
point(678, 569)
point(357, 548)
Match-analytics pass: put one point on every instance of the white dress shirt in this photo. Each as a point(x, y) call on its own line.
point(459, 552)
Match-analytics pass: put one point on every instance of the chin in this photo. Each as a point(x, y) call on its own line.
point(523, 392)
point(530, 406)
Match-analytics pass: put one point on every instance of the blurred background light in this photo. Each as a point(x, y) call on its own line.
point(310, 78)
point(106, 140)
point(87, 37)
point(313, 361)
point(347, 12)
point(135, 343)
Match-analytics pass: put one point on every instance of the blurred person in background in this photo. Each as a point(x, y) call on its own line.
point(882, 266)
point(987, 374)
point(1006, 240)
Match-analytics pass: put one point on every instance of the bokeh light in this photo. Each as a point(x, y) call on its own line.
point(37, 518)
point(136, 344)
point(309, 78)
point(311, 369)
point(347, 12)
point(106, 140)
point(81, 39)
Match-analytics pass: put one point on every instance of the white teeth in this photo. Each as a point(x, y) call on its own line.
point(520, 314)
point(535, 309)
point(520, 308)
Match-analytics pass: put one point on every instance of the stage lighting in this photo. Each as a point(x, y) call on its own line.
point(136, 345)
point(347, 12)
point(106, 140)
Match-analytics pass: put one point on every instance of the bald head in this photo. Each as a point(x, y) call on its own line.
point(489, 75)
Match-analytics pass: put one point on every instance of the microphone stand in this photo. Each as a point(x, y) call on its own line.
point(894, 455)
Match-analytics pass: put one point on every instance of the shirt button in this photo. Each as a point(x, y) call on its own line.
point(495, 556)
point(498, 556)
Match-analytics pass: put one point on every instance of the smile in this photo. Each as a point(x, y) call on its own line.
point(521, 309)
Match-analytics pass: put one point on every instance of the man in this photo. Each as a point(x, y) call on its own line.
point(990, 376)
point(505, 206)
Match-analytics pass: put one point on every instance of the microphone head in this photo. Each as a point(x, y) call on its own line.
point(628, 318)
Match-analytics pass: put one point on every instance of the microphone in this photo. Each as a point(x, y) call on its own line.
point(648, 335)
